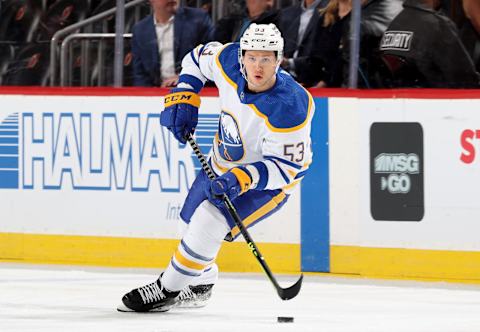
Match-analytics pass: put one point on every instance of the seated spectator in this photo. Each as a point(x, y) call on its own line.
point(470, 32)
point(334, 18)
point(472, 11)
point(161, 40)
point(298, 25)
point(206, 5)
point(376, 16)
point(334, 37)
point(421, 48)
point(231, 27)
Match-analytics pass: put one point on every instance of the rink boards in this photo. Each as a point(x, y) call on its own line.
point(404, 184)
point(88, 176)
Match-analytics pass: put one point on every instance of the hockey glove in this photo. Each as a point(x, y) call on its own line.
point(180, 115)
point(233, 183)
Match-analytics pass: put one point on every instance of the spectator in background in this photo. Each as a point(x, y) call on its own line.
point(206, 5)
point(472, 11)
point(470, 32)
point(232, 27)
point(421, 47)
point(376, 16)
point(334, 37)
point(299, 24)
point(161, 40)
point(334, 18)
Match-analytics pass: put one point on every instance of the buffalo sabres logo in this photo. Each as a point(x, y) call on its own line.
point(230, 143)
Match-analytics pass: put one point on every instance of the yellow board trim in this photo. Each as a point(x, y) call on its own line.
point(398, 263)
point(272, 204)
point(136, 252)
point(390, 263)
point(188, 263)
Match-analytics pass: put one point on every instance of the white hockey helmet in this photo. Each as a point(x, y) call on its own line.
point(262, 37)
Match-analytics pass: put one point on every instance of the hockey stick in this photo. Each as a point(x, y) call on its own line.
point(284, 293)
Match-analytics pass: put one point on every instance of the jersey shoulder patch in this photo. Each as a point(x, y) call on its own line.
point(287, 107)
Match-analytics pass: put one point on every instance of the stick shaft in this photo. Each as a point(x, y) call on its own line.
point(285, 294)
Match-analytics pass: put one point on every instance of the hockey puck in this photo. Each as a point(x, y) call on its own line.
point(282, 319)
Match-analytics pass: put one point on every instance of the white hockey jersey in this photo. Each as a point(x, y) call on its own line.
point(267, 132)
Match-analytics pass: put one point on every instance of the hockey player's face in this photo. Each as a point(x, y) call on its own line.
point(260, 68)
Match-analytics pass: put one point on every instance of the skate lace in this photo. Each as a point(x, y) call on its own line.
point(151, 293)
point(186, 293)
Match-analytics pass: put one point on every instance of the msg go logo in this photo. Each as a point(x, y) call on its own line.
point(398, 166)
point(396, 171)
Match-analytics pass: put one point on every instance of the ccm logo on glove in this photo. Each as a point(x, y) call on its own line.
point(185, 97)
point(180, 115)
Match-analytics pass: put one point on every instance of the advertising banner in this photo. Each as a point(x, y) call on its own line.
point(104, 166)
point(403, 175)
point(418, 173)
point(396, 171)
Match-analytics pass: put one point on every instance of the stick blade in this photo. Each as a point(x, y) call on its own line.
point(290, 292)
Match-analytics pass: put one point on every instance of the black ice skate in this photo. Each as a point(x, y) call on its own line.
point(152, 297)
point(194, 296)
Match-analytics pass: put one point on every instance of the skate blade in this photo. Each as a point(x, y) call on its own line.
point(123, 308)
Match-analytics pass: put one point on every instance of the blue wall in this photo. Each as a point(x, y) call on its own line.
point(315, 230)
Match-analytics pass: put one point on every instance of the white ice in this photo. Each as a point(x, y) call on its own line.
point(46, 298)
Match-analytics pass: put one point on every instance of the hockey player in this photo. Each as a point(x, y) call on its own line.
point(260, 152)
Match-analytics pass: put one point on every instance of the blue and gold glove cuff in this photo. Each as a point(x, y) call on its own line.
point(182, 97)
point(243, 177)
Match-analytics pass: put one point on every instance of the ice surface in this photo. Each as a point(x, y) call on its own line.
point(46, 298)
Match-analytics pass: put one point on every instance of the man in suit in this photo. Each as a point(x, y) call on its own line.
point(298, 24)
point(161, 40)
